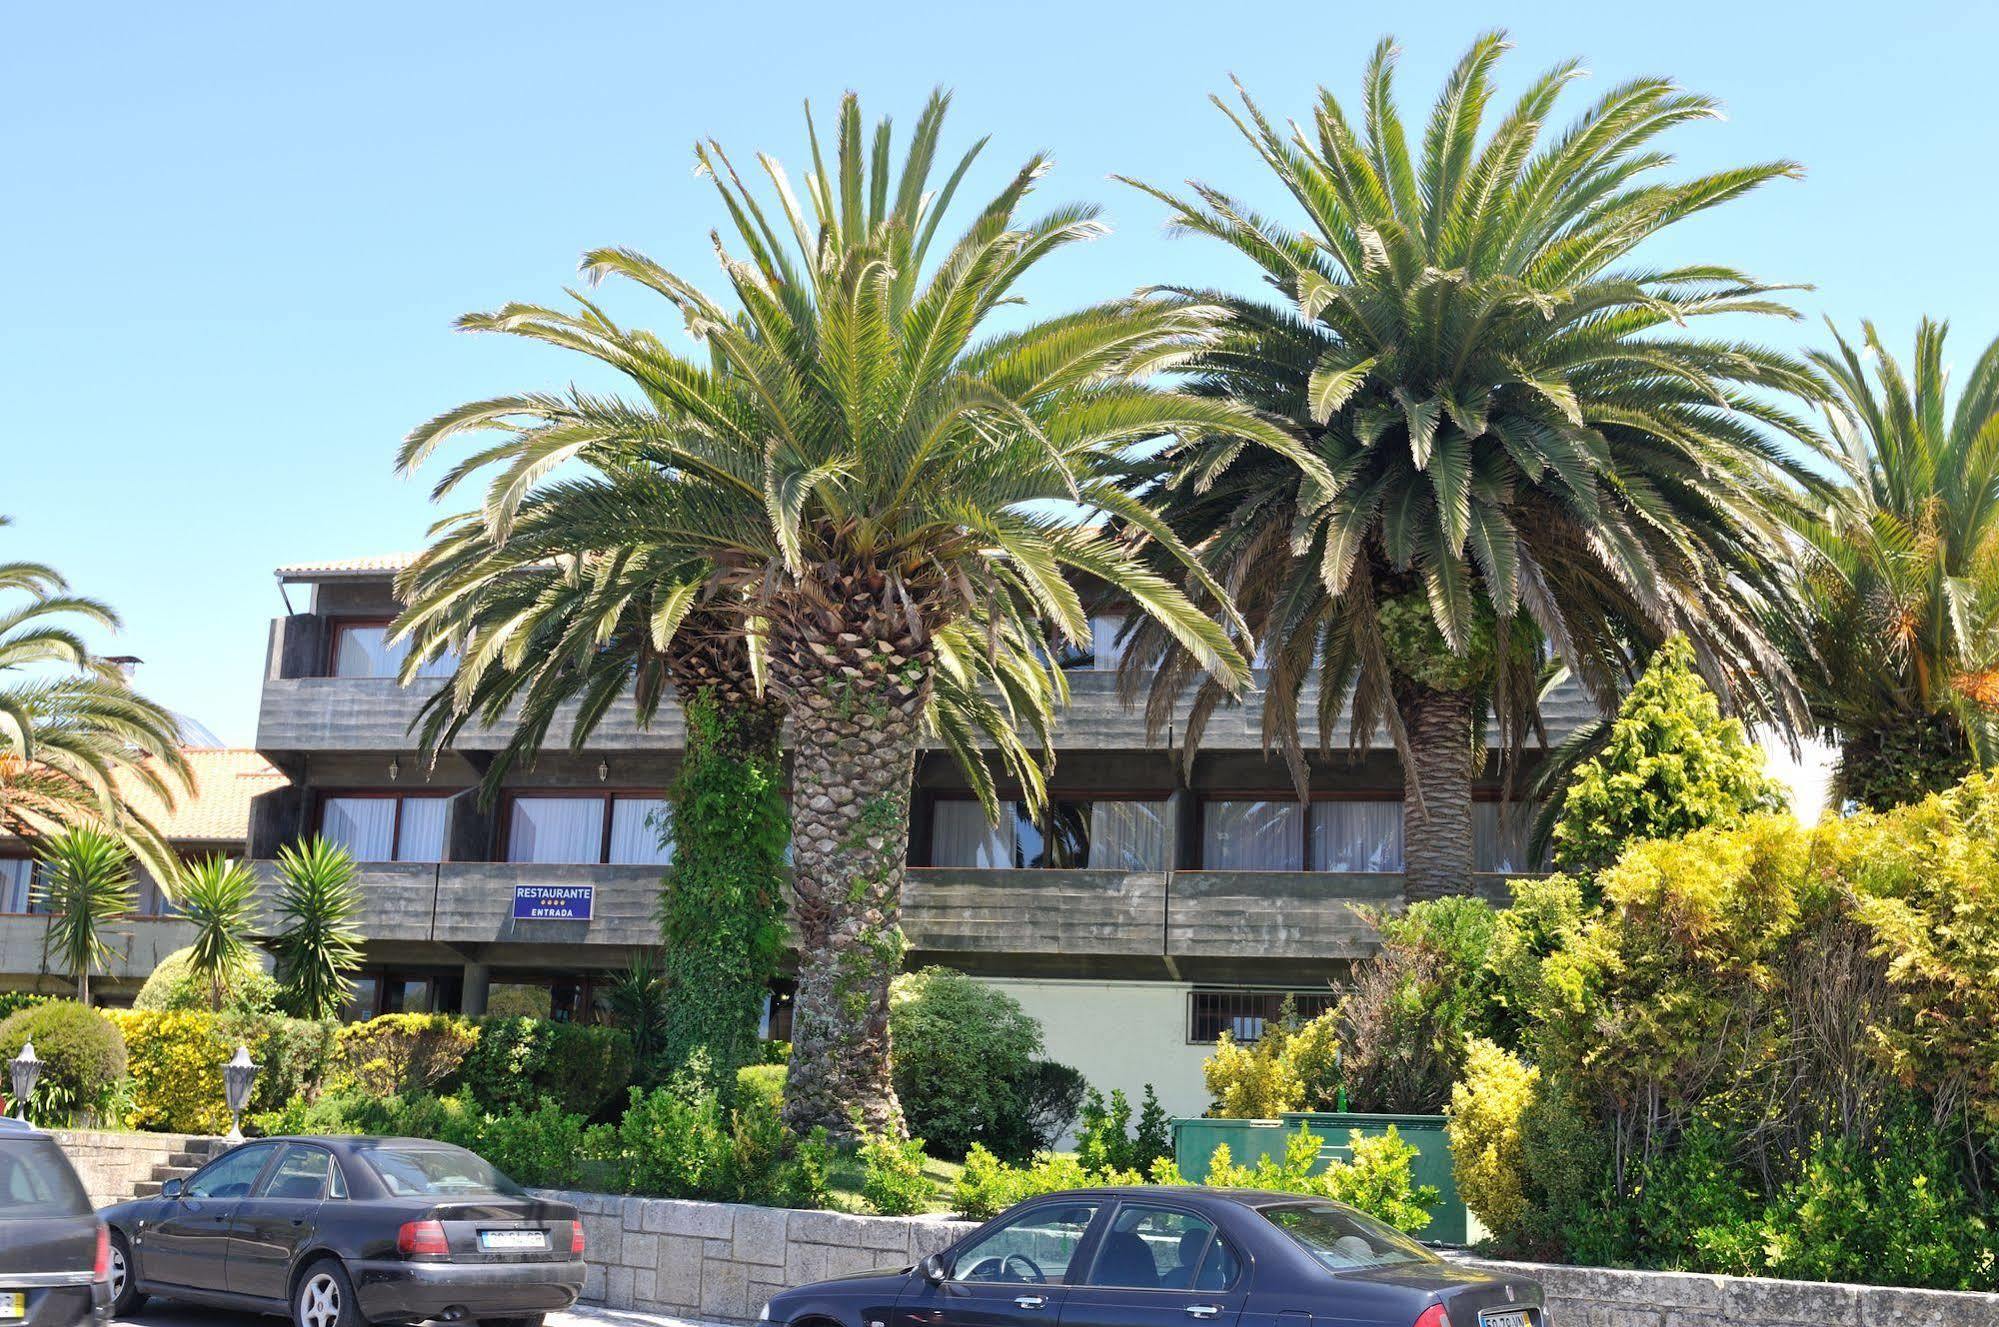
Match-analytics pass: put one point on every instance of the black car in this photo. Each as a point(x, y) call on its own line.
point(1159, 1257)
point(54, 1259)
point(337, 1232)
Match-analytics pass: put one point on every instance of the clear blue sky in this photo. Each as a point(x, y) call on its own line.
point(235, 235)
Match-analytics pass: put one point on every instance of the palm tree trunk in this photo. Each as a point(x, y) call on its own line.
point(1436, 828)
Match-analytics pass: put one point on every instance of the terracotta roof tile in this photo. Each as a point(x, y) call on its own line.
point(218, 809)
point(378, 565)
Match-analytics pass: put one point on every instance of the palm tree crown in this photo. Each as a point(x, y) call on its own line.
point(1525, 440)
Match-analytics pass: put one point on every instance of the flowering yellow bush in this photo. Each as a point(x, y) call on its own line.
point(175, 1060)
point(1484, 1130)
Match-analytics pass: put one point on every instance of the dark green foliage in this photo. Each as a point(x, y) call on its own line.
point(722, 904)
point(83, 1057)
point(1105, 1140)
point(523, 1064)
point(640, 1004)
point(298, 1055)
point(316, 942)
point(13, 1002)
point(1403, 1023)
point(967, 1068)
point(173, 987)
point(1906, 762)
point(1051, 1095)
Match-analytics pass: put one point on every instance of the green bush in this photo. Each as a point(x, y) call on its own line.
point(173, 988)
point(1294, 1065)
point(1487, 1160)
point(763, 1083)
point(892, 1178)
point(671, 1142)
point(1105, 1139)
point(766, 1163)
point(1377, 1176)
point(546, 1148)
point(13, 1002)
point(967, 1067)
point(298, 1057)
point(988, 1186)
point(1405, 1021)
point(406, 1054)
point(522, 1064)
point(82, 1054)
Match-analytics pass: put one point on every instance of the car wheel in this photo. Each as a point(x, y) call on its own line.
point(125, 1297)
point(324, 1297)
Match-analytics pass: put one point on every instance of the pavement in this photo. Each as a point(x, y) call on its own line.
point(161, 1314)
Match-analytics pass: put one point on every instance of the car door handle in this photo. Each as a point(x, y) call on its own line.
point(1030, 1301)
point(1203, 1310)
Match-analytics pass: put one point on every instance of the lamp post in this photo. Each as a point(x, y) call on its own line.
point(26, 1070)
point(237, 1077)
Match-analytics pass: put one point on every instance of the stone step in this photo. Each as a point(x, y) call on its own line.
point(171, 1171)
point(147, 1189)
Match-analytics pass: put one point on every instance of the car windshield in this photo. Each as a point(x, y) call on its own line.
point(36, 1182)
point(1344, 1240)
point(436, 1172)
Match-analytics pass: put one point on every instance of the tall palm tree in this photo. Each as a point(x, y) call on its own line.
point(876, 488)
point(1901, 663)
point(218, 899)
point(1527, 444)
point(74, 737)
point(313, 928)
point(83, 883)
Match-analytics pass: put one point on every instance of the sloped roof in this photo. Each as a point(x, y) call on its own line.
point(378, 565)
point(226, 780)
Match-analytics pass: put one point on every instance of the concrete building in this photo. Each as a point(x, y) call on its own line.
point(213, 818)
point(1153, 906)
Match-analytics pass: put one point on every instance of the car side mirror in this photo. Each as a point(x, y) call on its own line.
point(933, 1269)
point(171, 1189)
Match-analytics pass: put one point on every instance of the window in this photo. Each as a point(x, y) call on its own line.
point(1342, 1239)
point(619, 830)
point(35, 1181)
point(1501, 833)
point(1243, 1014)
point(232, 1176)
point(439, 1171)
point(1357, 836)
point(362, 649)
point(17, 877)
point(1163, 1248)
point(387, 829)
point(300, 1175)
point(1252, 836)
point(1034, 1247)
point(152, 900)
point(1110, 835)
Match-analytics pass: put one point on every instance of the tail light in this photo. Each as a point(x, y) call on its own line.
point(426, 1239)
point(1432, 1317)
point(576, 1238)
point(101, 1272)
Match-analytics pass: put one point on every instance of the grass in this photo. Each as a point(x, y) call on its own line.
point(844, 1179)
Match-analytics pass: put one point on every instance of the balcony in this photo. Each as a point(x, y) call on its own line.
point(138, 944)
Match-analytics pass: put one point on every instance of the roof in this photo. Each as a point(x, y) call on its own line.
point(382, 564)
point(217, 810)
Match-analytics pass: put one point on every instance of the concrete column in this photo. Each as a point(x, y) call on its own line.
point(478, 983)
point(468, 829)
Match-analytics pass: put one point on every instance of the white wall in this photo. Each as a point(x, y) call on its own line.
point(1119, 1034)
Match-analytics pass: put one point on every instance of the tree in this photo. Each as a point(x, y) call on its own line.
point(1528, 445)
point(218, 899)
point(1671, 764)
point(84, 882)
point(1900, 663)
point(885, 506)
point(74, 736)
point(314, 935)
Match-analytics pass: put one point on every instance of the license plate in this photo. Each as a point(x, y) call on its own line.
point(13, 1304)
point(1506, 1318)
point(521, 1241)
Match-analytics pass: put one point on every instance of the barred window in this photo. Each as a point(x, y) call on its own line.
point(1243, 1014)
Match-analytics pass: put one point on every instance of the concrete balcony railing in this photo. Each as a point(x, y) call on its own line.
point(138, 944)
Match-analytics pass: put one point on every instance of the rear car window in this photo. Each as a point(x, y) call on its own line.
point(36, 1181)
point(436, 1172)
point(1344, 1240)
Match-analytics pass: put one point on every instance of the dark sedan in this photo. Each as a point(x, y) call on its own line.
point(336, 1232)
point(54, 1258)
point(1153, 1257)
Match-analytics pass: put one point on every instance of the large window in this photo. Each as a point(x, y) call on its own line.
point(1033, 1248)
point(1501, 833)
point(17, 877)
point(362, 649)
point(1244, 1014)
point(386, 828)
point(1104, 834)
point(614, 829)
point(1241, 834)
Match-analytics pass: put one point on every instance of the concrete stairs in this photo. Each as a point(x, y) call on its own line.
point(198, 1153)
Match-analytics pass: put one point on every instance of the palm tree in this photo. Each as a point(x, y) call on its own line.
point(218, 899)
point(314, 936)
point(1527, 445)
point(873, 489)
point(74, 737)
point(84, 882)
point(1900, 663)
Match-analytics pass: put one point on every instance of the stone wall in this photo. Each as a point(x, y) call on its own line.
point(718, 1262)
point(113, 1165)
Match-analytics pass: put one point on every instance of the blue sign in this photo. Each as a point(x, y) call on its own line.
point(553, 903)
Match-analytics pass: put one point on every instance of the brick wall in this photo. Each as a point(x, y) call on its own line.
point(112, 1165)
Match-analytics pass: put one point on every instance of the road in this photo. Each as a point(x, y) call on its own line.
point(173, 1315)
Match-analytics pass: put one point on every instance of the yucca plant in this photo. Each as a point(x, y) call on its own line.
point(218, 900)
point(313, 931)
point(1528, 442)
point(865, 483)
point(1901, 661)
point(84, 883)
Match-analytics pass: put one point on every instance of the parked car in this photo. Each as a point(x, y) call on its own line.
point(54, 1258)
point(1165, 1257)
point(336, 1232)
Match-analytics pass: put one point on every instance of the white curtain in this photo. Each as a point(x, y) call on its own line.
point(366, 652)
point(1252, 836)
point(636, 825)
point(1128, 836)
point(16, 873)
point(1500, 833)
point(1104, 642)
point(365, 826)
point(556, 830)
point(960, 835)
point(1356, 836)
point(421, 838)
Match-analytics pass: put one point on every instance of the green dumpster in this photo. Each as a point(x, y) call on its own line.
point(1195, 1140)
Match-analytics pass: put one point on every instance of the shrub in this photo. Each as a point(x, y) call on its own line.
point(82, 1054)
point(176, 1063)
point(671, 1141)
point(1051, 1096)
point(1252, 1082)
point(1376, 1178)
point(763, 1083)
point(297, 1056)
point(964, 1055)
point(404, 1054)
point(988, 1186)
point(1404, 1024)
point(522, 1064)
point(1485, 1114)
point(892, 1178)
point(173, 987)
point(1105, 1140)
point(546, 1148)
point(13, 1002)
point(766, 1163)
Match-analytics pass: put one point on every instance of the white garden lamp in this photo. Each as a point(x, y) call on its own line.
point(238, 1076)
point(26, 1071)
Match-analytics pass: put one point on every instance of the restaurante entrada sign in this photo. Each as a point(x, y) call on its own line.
point(553, 903)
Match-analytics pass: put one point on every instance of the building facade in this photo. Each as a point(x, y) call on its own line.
point(1157, 902)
